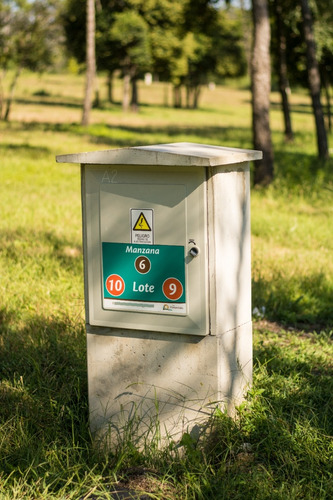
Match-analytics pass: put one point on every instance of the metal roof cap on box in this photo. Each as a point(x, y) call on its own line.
point(174, 154)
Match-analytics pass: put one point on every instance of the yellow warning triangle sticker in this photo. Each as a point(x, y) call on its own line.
point(141, 224)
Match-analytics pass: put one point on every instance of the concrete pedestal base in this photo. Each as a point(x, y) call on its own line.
point(166, 384)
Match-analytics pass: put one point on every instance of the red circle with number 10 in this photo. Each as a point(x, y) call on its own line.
point(172, 289)
point(115, 285)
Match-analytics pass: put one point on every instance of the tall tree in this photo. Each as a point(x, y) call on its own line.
point(326, 77)
point(218, 53)
point(90, 61)
point(130, 34)
point(324, 49)
point(261, 86)
point(282, 70)
point(30, 37)
point(314, 79)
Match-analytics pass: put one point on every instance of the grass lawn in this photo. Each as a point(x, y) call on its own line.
point(279, 446)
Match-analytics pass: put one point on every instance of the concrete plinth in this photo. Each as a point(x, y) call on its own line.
point(142, 383)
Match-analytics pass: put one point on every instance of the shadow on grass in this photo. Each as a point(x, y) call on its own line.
point(107, 107)
point(302, 301)
point(127, 136)
point(58, 101)
point(301, 173)
point(23, 246)
point(300, 108)
point(43, 376)
point(32, 151)
point(49, 102)
point(43, 387)
point(279, 446)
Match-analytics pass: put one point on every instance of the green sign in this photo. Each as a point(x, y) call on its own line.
point(149, 278)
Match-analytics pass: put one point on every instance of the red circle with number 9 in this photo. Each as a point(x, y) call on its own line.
point(115, 285)
point(172, 289)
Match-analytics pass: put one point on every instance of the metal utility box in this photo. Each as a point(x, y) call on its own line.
point(140, 226)
point(166, 236)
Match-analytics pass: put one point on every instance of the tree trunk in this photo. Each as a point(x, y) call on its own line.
point(192, 96)
point(328, 98)
point(2, 96)
point(188, 96)
point(90, 61)
point(126, 90)
point(261, 86)
point(245, 33)
point(282, 70)
point(166, 94)
point(11, 94)
point(177, 96)
point(110, 86)
point(196, 96)
point(135, 95)
point(97, 99)
point(314, 80)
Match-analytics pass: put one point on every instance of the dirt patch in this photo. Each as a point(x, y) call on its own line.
point(138, 484)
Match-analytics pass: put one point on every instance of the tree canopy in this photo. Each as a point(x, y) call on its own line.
point(188, 43)
point(30, 37)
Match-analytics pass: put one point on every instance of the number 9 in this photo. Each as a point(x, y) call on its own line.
point(172, 289)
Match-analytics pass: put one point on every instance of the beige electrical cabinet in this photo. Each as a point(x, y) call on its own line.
point(167, 265)
point(140, 226)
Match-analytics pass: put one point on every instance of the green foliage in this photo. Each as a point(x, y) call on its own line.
point(296, 53)
point(130, 32)
point(163, 37)
point(228, 44)
point(30, 38)
point(74, 23)
point(29, 34)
